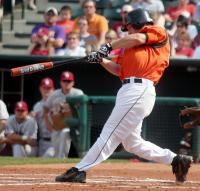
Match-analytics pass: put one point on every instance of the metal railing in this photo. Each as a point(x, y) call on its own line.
point(12, 17)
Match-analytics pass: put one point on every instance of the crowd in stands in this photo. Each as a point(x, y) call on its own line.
point(62, 36)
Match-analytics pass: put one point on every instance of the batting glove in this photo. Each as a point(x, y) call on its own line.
point(96, 57)
point(105, 50)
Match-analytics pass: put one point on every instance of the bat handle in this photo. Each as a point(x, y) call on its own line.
point(31, 68)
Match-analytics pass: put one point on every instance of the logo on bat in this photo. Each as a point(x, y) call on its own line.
point(32, 68)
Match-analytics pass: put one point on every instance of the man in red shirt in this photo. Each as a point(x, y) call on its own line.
point(140, 66)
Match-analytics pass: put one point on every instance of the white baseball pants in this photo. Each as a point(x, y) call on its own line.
point(134, 102)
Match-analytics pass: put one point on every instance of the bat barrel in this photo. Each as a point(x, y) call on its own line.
point(31, 68)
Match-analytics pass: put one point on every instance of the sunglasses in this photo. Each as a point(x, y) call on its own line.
point(72, 38)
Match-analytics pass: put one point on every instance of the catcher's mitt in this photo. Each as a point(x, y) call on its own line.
point(189, 117)
point(58, 119)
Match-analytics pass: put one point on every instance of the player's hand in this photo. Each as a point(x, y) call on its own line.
point(96, 57)
point(105, 50)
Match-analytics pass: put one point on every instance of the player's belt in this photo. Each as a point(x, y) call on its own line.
point(128, 80)
point(46, 139)
point(137, 80)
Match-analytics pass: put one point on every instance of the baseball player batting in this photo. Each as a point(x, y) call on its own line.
point(143, 59)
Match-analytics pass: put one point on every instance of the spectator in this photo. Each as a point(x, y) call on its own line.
point(43, 46)
point(54, 105)
point(56, 34)
point(98, 25)
point(172, 13)
point(64, 19)
point(183, 45)
point(196, 41)
point(21, 132)
point(87, 40)
point(73, 48)
point(3, 120)
point(118, 26)
point(110, 36)
point(45, 148)
point(31, 5)
point(155, 8)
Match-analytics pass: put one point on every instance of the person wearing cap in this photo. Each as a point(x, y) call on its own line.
point(56, 37)
point(56, 104)
point(45, 148)
point(141, 64)
point(118, 25)
point(21, 131)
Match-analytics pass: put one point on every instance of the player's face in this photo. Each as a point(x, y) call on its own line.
point(46, 91)
point(66, 85)
point(21, 114)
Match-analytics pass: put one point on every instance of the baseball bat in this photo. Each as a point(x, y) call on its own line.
point(29, 69)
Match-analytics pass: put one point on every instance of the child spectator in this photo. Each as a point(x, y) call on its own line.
point(183, 49)
point(110, 36)
point(73, 48)
point(43, 46)
point(64, 19)
point(87, 40)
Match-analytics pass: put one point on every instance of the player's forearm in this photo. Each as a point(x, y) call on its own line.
point(129, 41)
point(111, 66)
point(16, 139)
point(2, 124)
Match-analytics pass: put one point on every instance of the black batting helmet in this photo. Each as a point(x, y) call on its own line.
point(138, 18)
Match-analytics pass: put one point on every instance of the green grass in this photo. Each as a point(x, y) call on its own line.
point(21, 161)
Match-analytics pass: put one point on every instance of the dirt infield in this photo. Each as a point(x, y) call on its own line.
point(128, 176)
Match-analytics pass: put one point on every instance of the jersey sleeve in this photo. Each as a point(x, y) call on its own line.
point(3, 111)
point(155, 35)
point(31, 128)
point(9, 126)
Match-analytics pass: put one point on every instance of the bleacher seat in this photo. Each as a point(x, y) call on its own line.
point(118, 3)
point(112, 14)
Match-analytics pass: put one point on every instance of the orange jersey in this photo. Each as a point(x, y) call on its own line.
point(149, 60)
point(96, 25)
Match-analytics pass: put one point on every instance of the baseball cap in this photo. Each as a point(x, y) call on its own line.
point(127, 8)
point(66, 75)
point(43, 32)
point(47, 83)
point(53, 9)
point(21, 105)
